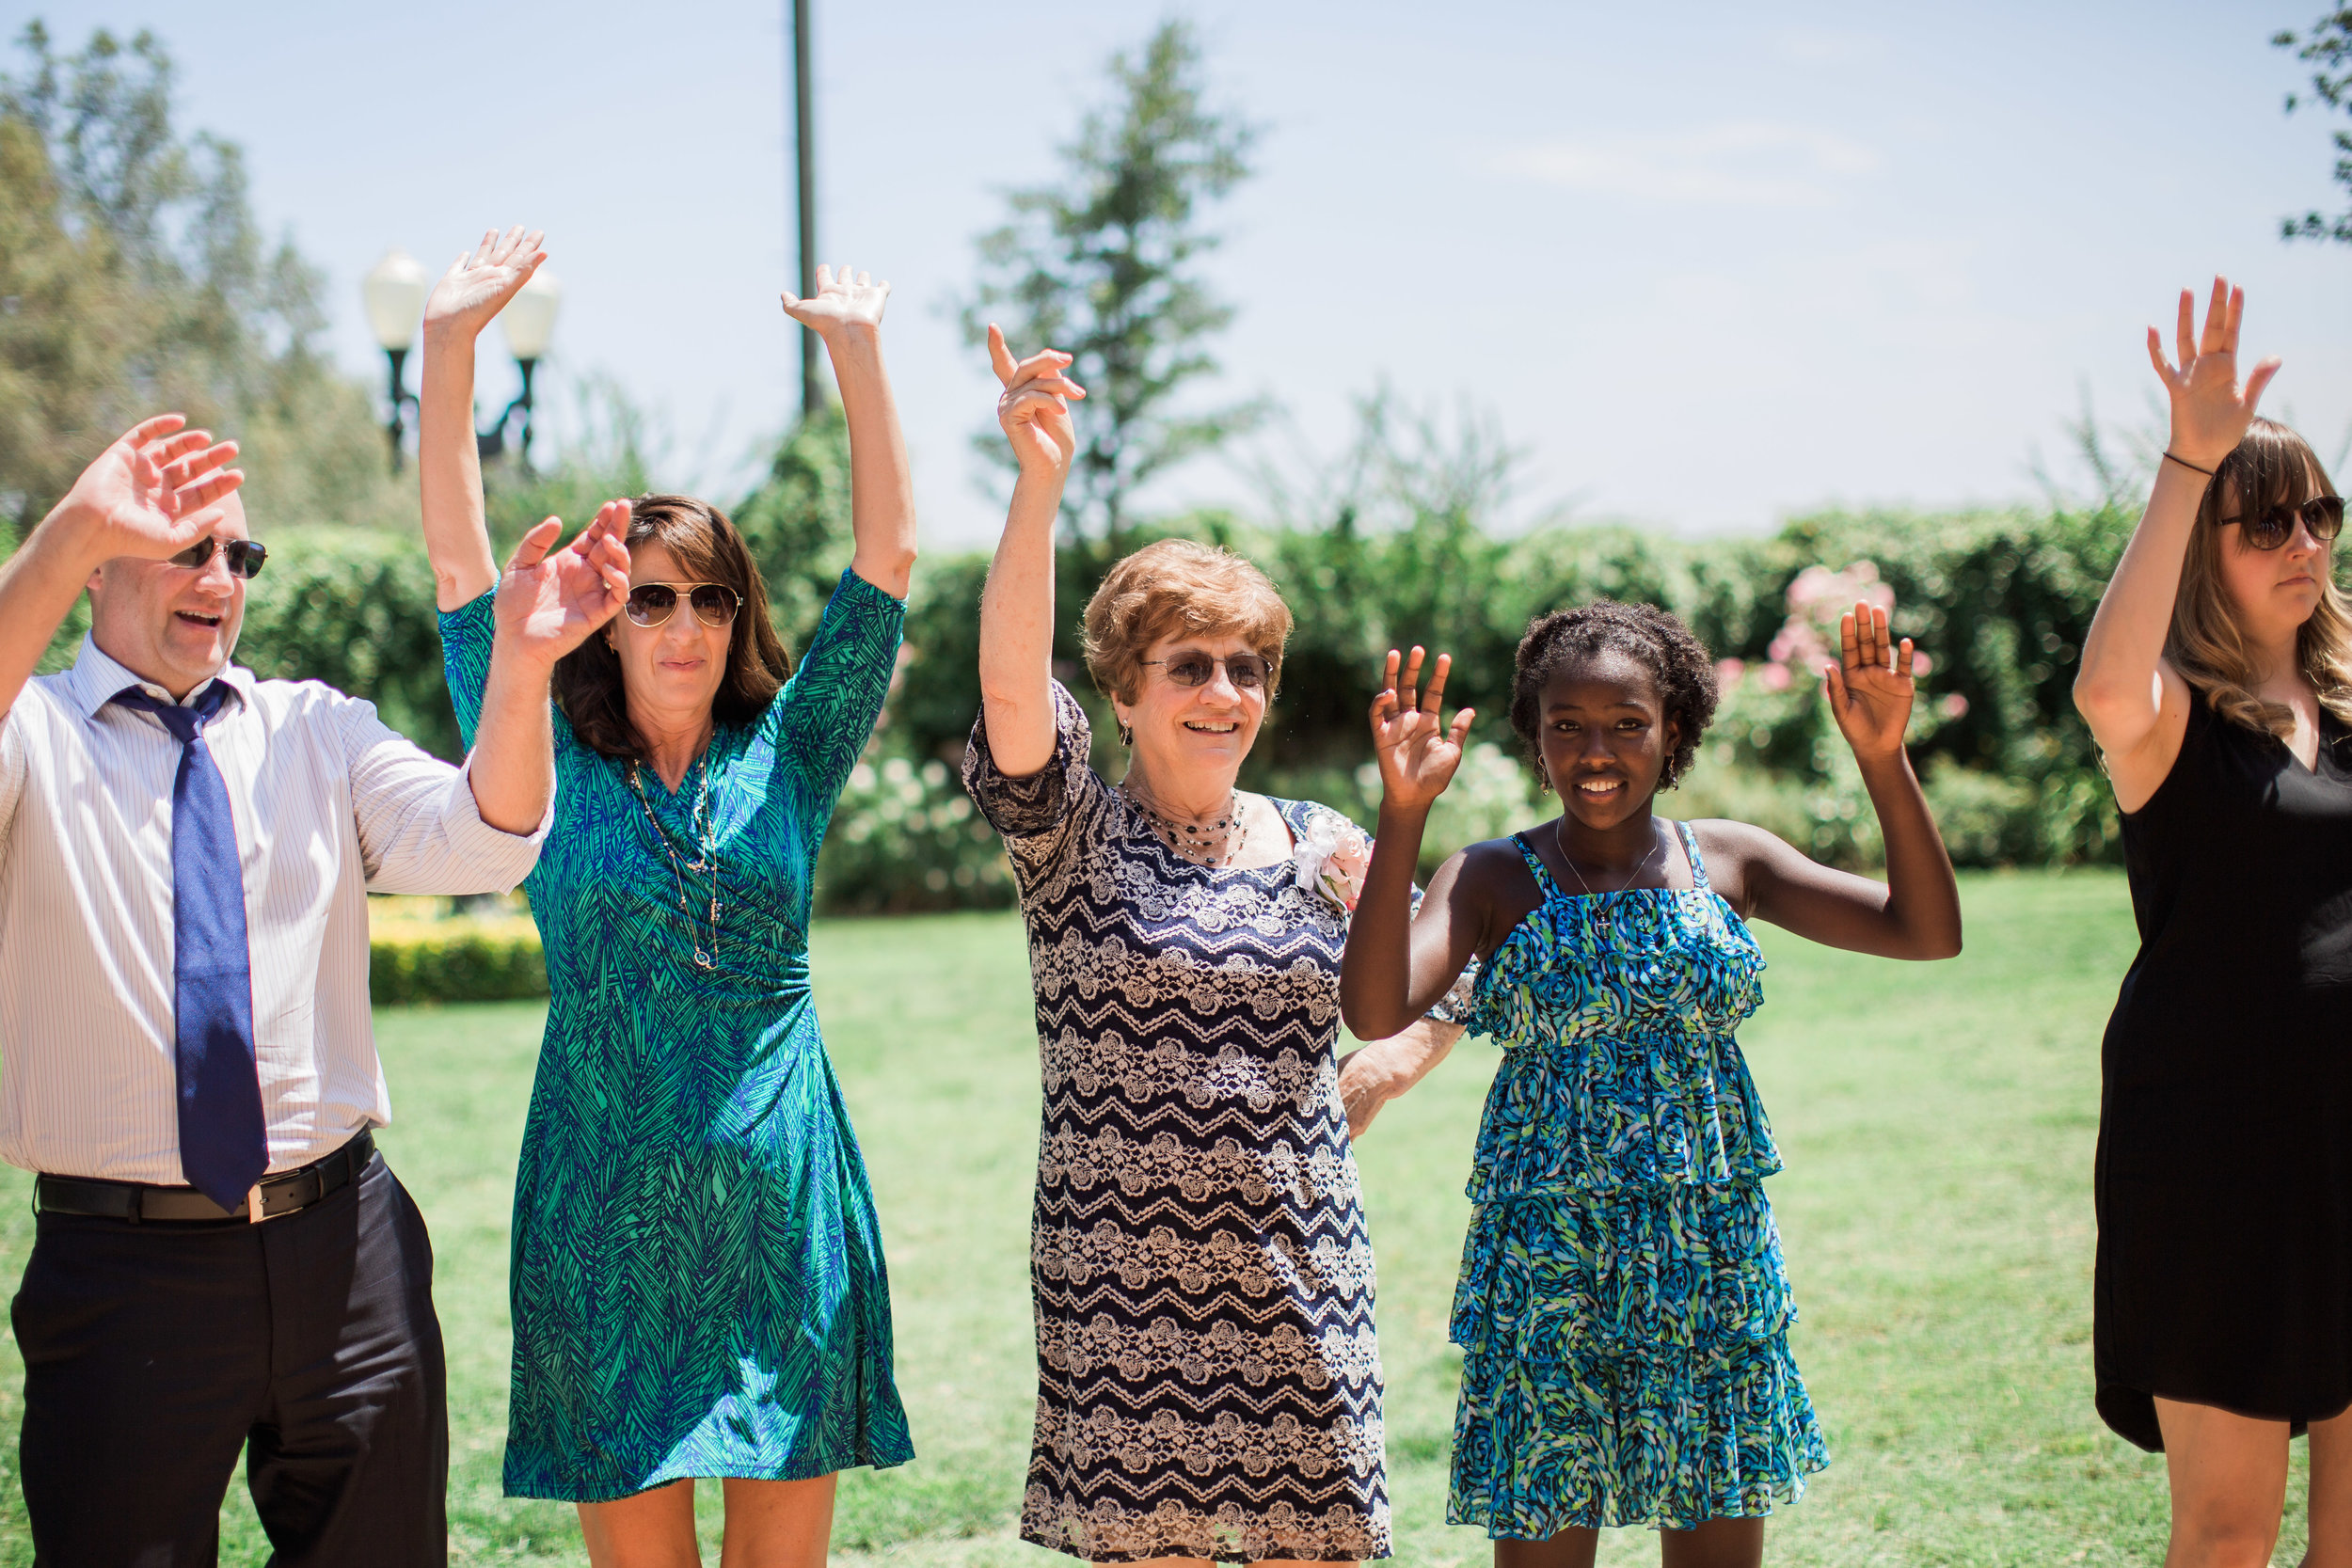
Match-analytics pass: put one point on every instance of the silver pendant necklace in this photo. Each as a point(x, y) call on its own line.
point(704, 842)
point(1600, 911)
point(1215, 843)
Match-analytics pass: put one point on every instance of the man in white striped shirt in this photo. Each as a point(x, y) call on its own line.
point(223, 1263)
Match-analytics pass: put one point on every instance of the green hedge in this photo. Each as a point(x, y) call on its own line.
point(455, 958)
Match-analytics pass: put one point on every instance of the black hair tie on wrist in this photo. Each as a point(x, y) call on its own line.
point(2187, 463)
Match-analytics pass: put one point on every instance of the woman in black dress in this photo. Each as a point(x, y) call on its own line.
point(2217, 680)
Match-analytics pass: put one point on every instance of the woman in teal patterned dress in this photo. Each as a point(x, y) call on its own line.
point(1623, 1310)
point(697, 1284)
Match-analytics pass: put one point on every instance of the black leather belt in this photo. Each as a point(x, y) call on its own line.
point(141, 1204)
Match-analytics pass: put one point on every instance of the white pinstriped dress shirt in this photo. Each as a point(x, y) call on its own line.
point(329, 803)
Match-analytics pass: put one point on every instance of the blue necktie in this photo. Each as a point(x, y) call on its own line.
point(223, 1146)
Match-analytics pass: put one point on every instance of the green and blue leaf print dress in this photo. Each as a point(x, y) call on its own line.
point(697, 1280)
point(1623, 1310)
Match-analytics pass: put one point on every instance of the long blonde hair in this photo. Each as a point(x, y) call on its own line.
point(2272, 466)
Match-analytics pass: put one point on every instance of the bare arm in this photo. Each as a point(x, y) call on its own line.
point(1399, 963)
point(2136, 702)
point(449, 462)
point(1017, 606)
point(1915, 913)
point(152, 493)
point(548, 605)
point(846, 312)
point(1373, 1074)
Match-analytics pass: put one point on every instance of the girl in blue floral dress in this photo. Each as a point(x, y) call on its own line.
point(1623, 1310)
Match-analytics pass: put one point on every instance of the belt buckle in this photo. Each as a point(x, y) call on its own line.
point(253, 1214)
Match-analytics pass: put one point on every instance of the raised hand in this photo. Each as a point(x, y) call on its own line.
point(549, 601)
point(1417, 753)
point(845, 299)
point(156, 490)
point(1870, 688)
point(2210, 408)
point(477, 286)
point(1034, 407)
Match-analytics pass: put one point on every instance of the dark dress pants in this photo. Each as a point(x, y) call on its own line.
point(154, 1352)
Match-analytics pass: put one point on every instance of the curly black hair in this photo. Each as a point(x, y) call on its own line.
point(1678, 663)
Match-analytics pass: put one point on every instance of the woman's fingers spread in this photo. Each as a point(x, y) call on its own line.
point(1902, 661)
point(1000, 357)
point(1461, 725)
point(2260, 379)
point(1437, 684)
point(2156, 357)
point(1849, 639)
point(154, 428)
point(2185, 331)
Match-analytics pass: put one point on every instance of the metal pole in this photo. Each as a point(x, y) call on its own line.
point(811, 394)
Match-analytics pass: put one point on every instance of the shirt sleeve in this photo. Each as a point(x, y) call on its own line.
point(13, 763)
point(420, 828)
point(467, 634)
point(1035, 815)
point(826, 712)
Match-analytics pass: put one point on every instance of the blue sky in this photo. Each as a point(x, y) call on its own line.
point(1709, 263)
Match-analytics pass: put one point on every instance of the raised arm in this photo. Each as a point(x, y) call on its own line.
point(449, 463)
point(846, 312)
point(2136, 702)
point(155, 491)
point(548, 603)
point(1398, 962)
point(1017, 606)
point(1915, 913)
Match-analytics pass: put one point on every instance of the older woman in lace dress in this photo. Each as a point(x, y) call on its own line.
point(1208, 1378)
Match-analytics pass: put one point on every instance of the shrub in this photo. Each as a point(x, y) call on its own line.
point(416, 952)
point(906, 837)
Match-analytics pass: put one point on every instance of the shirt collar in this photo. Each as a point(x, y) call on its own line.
point(96, 677)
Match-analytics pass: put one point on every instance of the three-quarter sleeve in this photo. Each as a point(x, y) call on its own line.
point(826, 712)
point(1035, 813)
point(468, 633)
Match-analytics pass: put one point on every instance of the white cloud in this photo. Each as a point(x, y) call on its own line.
point(1749, 163)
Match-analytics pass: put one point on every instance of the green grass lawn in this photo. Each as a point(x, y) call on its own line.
point(1937, 1122)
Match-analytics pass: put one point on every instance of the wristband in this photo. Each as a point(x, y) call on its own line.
point(2187, 463)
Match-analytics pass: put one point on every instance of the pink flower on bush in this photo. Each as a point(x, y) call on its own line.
point(1774, 677)
point(1954, 705)
point(1727, 673)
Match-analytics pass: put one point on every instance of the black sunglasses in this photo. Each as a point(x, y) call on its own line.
point(2275, 525)
point(650, 604)
point(1194, 668)
point(244, 556)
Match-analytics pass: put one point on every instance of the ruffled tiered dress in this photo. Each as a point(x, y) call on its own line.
point(1623, 1309)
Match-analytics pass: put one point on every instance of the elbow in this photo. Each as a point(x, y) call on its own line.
point(2099, 700)
point(1370, 1021)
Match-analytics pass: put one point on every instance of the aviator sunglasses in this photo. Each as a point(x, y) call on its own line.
point(650, 604)
point(244, 556)
point(1191, 667)
point(2273, 525)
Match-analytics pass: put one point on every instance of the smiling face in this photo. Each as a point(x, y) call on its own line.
point(1604, 738)
point(174, 626)
point(669, 672)
point(1191, 739)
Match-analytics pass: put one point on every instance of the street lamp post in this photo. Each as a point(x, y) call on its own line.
point(394, 291)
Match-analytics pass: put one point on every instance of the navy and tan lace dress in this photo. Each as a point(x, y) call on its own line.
point(1623, 1310)
point(1208, 1381)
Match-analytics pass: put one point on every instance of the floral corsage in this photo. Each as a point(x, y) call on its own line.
point(1332, 856)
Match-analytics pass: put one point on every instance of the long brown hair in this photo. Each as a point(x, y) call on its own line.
point(708, 548)
point(2271, 467)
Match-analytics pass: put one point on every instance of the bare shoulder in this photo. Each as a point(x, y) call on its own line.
point(1489, 881)
point(1739, 855)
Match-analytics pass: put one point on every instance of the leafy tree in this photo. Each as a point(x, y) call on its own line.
point(1100, 266)
point(2327, 47)
point(134, 277)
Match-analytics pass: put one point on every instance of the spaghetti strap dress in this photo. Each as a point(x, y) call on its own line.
point(697, 1280)
point(1623, 1308)
point(2224, 1175)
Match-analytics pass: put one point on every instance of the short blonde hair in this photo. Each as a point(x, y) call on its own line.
point(1180, 586)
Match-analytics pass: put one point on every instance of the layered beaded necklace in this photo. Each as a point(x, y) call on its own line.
point(1215, 843)
point(707, 847)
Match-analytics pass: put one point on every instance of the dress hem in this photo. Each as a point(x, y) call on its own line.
point(1777, 1494)
point(786, 1472)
